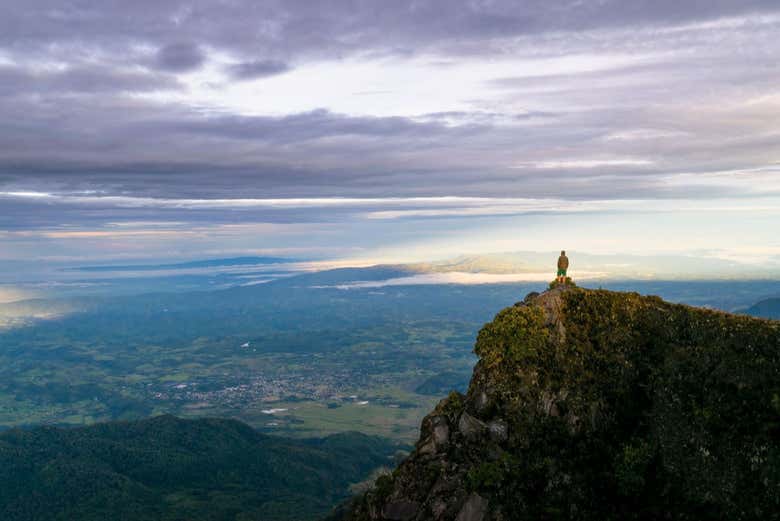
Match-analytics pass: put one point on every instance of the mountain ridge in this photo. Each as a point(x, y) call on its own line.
point(205, 263)
point(590, 404)
point(767, 308)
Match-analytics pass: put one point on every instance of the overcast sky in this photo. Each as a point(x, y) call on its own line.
point(388, 130)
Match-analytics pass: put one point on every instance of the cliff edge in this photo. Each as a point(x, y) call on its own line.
point(591, 404)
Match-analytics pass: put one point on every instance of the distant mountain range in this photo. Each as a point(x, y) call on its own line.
point(603, 266)
point(165, 468)
point(211, 263)
point(768, 308)
point(59, 281)
point(583, 265)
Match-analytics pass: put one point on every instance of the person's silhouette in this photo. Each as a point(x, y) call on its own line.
point(563, 265)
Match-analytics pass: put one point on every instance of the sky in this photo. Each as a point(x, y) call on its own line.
point(388, 131)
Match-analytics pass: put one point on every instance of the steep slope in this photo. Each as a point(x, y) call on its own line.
point(166, 468)
point(597, 405)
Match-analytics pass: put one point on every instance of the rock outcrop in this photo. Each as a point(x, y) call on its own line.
point(598, 405)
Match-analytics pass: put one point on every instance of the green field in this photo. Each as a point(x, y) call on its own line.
point(366, 362)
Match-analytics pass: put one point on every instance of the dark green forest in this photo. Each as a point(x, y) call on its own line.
point(165, 468)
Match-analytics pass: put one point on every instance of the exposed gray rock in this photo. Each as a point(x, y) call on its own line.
point(438, 507)
point(473, 509)
point(482, 402)
point(427, 448)
point(441, 432)
point(499, 431)
point(400, 510)
point(469, 426)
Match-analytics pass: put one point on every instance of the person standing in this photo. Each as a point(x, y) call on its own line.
point(563, 265)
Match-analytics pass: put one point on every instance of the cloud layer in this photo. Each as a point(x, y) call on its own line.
point(192, 112)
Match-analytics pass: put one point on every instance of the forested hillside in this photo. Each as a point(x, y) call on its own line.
point(166, 468)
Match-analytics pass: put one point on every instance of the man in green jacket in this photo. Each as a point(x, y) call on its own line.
point(563, 265)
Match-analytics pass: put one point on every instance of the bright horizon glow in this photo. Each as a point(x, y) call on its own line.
point(691, 227)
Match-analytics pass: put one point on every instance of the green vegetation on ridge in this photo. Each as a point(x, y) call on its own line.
point(597, 405)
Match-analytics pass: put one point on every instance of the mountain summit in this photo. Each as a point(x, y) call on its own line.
point(593, 405)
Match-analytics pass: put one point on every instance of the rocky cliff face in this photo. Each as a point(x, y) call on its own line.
point(600, 405)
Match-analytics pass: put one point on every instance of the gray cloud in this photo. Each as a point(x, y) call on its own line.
point(284, 28)
point(80, 79)
point(257, 69)
point(180, 57)
point(70, 120)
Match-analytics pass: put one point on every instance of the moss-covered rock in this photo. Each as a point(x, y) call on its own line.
point(599, 405)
